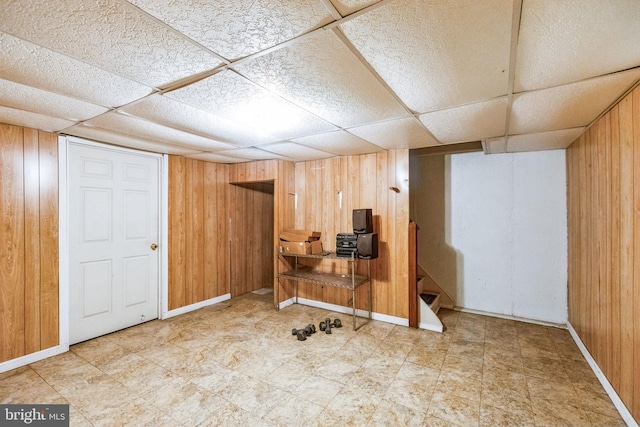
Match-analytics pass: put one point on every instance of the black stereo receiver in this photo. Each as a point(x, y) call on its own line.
point(346, 240)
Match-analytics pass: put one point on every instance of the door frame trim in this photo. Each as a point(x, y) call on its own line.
point(163, 225)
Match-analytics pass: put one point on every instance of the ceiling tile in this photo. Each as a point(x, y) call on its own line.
point(568, 106)
point(437, 54)
point(251, 154)
point(155, 132)
point(553, 140)
point(110, 137)
point(228, 95)
point(296, 152)
point(320, 74)
point(109, 34)
point(566, 41)
point(341, 143)
point(216, 158)
point(21, 97)
point(175, 114)
point(32, 120)
point(481, 120)
point(347, 7)
point(29, 64)
point(396, 134)
point(238, 28)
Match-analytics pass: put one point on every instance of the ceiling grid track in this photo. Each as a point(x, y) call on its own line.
point(515, 32)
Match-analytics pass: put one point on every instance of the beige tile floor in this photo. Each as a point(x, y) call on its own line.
point(237, 364)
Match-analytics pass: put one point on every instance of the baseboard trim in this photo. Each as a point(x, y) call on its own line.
point(32, 358)
point(617, 402)
point(196, 306)
point(508, 317)
point(346, 310)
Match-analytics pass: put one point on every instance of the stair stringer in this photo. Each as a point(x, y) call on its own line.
point(430, 285)
point(428, 318)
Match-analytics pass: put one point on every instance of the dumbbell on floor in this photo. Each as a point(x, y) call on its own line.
point(304, 333)
point(327, 325)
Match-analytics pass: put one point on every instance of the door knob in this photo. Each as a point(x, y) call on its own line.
point(154, 246)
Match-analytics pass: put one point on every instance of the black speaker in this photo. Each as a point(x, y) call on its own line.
point(362, 221)
point(367, 245)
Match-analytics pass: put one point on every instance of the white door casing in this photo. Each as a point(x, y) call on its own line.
point(114, 212)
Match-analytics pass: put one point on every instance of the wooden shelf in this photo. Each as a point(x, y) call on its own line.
point(303, 273)
point(307, 274)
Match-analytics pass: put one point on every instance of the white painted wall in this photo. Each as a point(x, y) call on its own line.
point(505, 220)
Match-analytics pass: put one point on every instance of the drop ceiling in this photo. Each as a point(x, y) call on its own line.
point(238, 80)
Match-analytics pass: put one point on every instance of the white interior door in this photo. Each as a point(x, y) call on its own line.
point(113, 234)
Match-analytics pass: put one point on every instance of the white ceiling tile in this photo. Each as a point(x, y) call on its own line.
point(481, 120)
point(29, 64)
point(568, 106)
point(495, 145)
point(229, 95)
point(296, 152)
point(554, 140)
point(347, 7)
point(566, 41)
point(396, 134)
point(21, 97)
point(216, 158)
point(109, 34)
point(437, 53)
point(341, 143)
point(32, 120)
point(251, 154)
point(110, 137)
point(172, 113)
point(320, 74)
point(238, 28)
point(155, 132)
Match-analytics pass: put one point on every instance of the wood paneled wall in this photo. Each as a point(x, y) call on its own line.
point(198, 231)
point(259, 187)
point(603, 194)
point(328, 190)
point(29, 317)
point(251, 223)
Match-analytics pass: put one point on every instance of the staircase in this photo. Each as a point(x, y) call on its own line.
point(429, 304)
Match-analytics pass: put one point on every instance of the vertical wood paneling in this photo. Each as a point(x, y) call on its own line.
point(191, 237)
point(636, 250)
point(626, 246)
point(603, 176)
point(198, 221)
point(12, 238)
point(198, 227)
point(285, 214)
point(252, 236)
point(364, 181)
point(614, 265)
point(177, 232)
point(211, 233)
point(255, 212)
point(29, 308)
point(32, 240)
point(215, 251)
point(222, 223)
point(49, 248)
